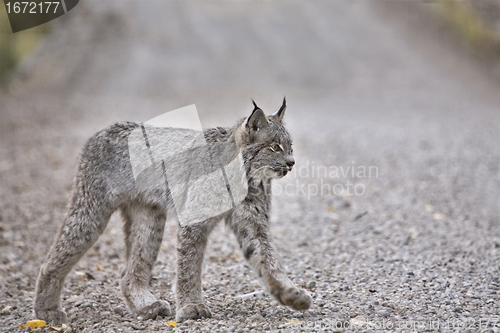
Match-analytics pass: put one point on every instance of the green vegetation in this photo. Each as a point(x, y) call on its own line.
point(481, 36)
point(14, 47)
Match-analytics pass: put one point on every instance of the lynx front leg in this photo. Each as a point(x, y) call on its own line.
point(191, 244)
point(252, 231)
point(143, 235)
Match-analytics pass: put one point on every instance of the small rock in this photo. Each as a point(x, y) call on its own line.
point(256, 318)
point(386, 314)
point(137, 326)
point(119, 311)
point(311, 284)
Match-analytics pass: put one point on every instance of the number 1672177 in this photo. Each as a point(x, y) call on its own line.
point(26, 7)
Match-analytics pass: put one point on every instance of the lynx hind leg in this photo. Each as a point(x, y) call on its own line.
point(143, 235)
point(80, 231)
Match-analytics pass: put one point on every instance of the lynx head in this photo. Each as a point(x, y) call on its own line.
point(266, 144)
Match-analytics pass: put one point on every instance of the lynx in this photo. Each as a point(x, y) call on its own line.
point(104, 183)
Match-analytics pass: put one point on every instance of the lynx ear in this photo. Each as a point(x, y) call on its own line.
point(281, 112)
point(257, 120)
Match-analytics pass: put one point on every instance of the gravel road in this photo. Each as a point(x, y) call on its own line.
point(390, 218)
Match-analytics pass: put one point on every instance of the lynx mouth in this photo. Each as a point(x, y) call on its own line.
point(280, 173)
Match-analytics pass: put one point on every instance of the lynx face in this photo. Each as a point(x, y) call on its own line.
point(270, 145)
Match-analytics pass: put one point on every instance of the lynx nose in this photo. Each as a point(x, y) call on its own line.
point(290, 163)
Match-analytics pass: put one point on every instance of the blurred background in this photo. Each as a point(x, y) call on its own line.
point(410, 88)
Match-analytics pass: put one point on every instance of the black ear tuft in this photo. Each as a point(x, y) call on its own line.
point(281, 112)
point(255, 105)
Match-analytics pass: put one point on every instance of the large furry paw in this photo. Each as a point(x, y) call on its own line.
point(151, 311)
point(193, 311)
point(52, 317)
point(296, 298)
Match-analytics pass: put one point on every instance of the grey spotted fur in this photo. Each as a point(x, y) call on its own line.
point(104, 183)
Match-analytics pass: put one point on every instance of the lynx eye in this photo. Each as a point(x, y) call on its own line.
point(276, 147)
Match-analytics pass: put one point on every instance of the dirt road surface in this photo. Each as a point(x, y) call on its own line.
point(391, 216)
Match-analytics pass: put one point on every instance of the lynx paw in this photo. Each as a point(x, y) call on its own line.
point(296, 298)
point(193, 311)
point(54, 317)
point(158, 308)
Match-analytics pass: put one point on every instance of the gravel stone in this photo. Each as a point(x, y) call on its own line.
point(119, 311)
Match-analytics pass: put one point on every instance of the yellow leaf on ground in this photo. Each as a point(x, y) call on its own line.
point(172, 323)
point(34, 324)
point(295, 321)
point(99, 267)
